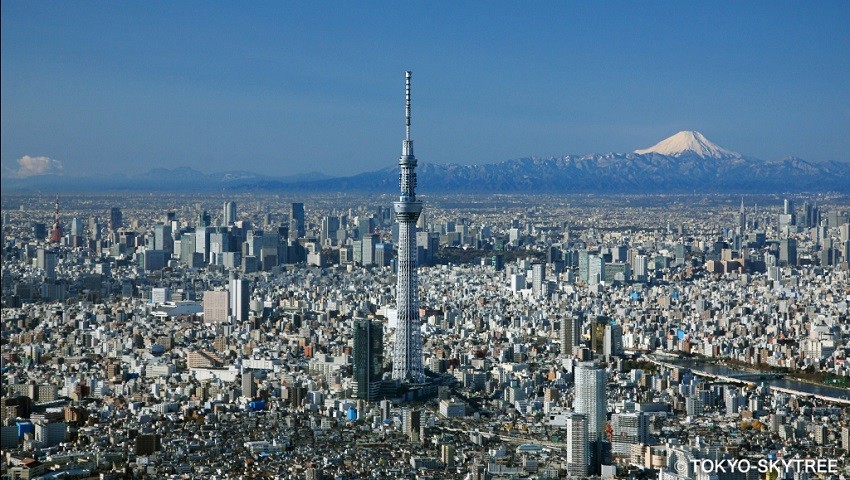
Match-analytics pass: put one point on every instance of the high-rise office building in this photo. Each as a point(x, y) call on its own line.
point(216, 306)
point(154, 259)
point(613, 341)
point(253, 243)
point(221, 241)
point(270, 251)
point(407, 353)
point(498, 262)
point(617, 272)
point(202, 241)
point(828, 255)
point(789, 216)
point(383, 254)
point(570, 334)
point(357, 252)
point(297, 228)
point(330, 227)
point(47, 261)
point(229, 213)
point(162, 239)
point(811, 214)
point(94, 228)
point(128, 238)
point(204, 219)
point(787, 251)
point(595, 269)
point(845, 253)
point(368, 358)
point(365, 226)
point(77, 227)
point(620, 253)
point(240, 296)
point(597, 334)
point(187, 249)
point(834, 218)
point(591, 400)
point(116, 219)
point(640, 266)
point(583, 265)
point(429, 245)
point(367, 246)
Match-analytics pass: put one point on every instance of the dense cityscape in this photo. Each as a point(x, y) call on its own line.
point(218, 263)
point(243, 336)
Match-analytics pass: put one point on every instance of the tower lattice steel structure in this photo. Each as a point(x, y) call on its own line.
point(407, 354)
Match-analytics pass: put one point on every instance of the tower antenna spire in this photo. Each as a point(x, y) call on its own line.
point(407, 76)
point(407, 145)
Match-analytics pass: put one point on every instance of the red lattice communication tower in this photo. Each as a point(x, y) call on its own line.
point(56, 234)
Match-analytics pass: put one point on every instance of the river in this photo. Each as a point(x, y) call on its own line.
point(789, 383)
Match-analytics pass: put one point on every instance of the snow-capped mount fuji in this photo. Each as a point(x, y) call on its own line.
point(689, 141)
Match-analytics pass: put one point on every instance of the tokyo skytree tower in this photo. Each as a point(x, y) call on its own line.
point(407, 354)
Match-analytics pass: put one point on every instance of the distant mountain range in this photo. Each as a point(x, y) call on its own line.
point(161, 179)
point(683, 163)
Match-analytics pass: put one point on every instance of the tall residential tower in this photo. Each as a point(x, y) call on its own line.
point(591, 401)
point(407, 354)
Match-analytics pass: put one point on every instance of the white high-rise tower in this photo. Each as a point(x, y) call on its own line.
point(407, 354)
point(742, 219)
point(229, 213)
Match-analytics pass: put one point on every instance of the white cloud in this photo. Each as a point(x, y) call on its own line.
point(29, 166)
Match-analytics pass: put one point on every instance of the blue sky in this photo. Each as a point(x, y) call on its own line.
point(291, 87)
